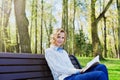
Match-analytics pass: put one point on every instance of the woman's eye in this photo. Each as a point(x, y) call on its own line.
point(58, 37)
point(62, 37)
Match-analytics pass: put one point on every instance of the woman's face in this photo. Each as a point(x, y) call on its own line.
point(60, 39)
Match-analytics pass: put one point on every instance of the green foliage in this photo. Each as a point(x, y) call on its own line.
point(81, 46)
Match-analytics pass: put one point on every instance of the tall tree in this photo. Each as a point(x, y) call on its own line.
point(114, 38)
point(118, 8)
point(73, 37)
point(6, 15)
point(94, 21)
point(1, 31)
point(31, 23)
point(49, 29)
point(65, 20)
point(1, 41)
point(5, 11)
point(41, 27)
point(34, 23)
point(105, 37)
point(22, 25)
point(36, 6)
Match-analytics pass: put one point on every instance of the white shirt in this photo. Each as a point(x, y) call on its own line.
point(59, 63)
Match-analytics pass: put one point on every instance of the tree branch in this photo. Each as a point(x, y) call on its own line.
point(104, 11)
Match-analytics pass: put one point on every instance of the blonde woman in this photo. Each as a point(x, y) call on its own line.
point(61, 66)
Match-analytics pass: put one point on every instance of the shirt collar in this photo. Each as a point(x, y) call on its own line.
point(56, 47)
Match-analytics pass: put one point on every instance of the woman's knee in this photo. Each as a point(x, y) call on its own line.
point(101, 76)
point(101, 66)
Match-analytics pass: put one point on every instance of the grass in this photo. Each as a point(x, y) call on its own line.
point(113, 66)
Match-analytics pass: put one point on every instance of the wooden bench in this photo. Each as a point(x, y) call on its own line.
point(25, 66)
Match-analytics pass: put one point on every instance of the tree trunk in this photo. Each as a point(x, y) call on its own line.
point(1, 31)
point(22, 25)
point(33, 31)
point(17, 42)
point(105, 45)
point(114, 37)
point(36, 6)
point(95, 40)
point(65, 21)
point(73, 38)
point(41, 30)
point(48, 29)
point(31, 26)
point(118, 8)
point(7, 10)
point(97, 48)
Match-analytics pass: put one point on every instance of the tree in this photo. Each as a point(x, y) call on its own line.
point(73, 40)
point(94, 21)
point(34, 23)
point(1, 36)
point(41, 28)
point(65, 20)
point(81, 47)
point(105, 37)
point(49, 28)
point(5, 14)
point(22, 25)
point(118, 8)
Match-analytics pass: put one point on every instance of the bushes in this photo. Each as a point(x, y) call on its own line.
point(82, 48)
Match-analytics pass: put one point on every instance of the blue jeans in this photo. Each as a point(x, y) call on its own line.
point(98, 72)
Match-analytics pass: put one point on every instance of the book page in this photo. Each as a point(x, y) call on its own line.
point(91, 63)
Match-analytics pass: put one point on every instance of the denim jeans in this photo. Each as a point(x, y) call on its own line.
point(98, 72)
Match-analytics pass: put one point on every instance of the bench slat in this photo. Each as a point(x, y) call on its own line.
point(21, 55)
point(48, 78)
point(11, 69)
point(31, 75)
point(24, 61)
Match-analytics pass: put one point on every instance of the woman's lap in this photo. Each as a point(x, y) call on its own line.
point(99, 67)
point(94, 75)
point(98, 72)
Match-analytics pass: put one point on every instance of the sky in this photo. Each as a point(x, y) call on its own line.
point(57, 7)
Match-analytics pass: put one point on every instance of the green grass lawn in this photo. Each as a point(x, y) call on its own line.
point(113, 66)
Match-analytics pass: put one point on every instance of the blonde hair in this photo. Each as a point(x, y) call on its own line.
point(55, 34)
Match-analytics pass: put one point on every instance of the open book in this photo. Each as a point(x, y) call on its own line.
point(93, 62)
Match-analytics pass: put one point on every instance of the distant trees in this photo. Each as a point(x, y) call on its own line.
point(91, 28)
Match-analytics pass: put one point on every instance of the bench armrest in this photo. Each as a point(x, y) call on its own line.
point(75, 62)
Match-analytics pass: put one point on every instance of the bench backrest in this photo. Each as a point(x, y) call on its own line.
point(25, 66)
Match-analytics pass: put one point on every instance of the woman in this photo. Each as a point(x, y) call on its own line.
point(61, 66)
